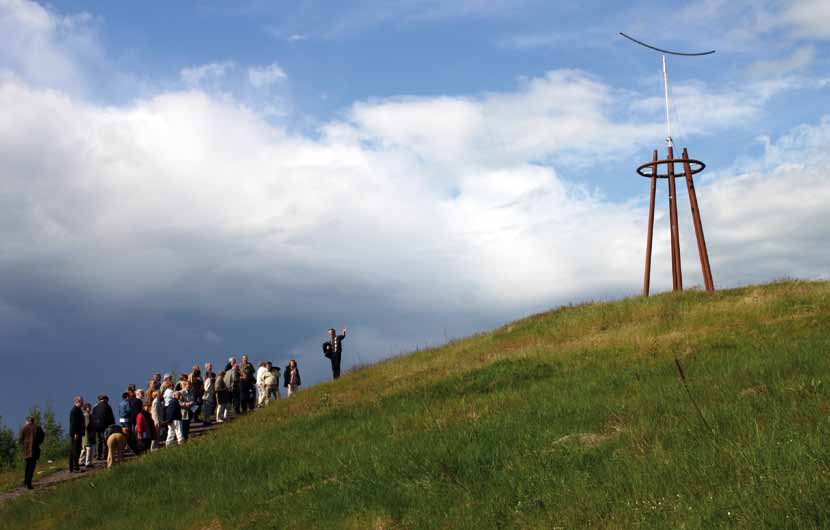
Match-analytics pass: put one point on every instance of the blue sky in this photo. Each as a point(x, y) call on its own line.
point(184, 181)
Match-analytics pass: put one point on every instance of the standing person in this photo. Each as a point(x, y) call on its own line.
point(126, 418)
point(31, 437)
point(197, 388)
point(87, 439)
point(209, 396)
point(336, 351)
point(102, 417)
point(157, 413)
point(173, 417)
point(273, 381)
point(231, 363)
point(232, 380)
point(151, 386)
point(125, 411)
point(244, 389)
point(188, 405)
point(223, 398)
point(77, 427)
point(261, 386)
point(292, 378)
point(135, 406)
point(166, 383)
point(247, 380)
point(145, 429)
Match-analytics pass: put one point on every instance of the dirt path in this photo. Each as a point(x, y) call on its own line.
point(99, 465)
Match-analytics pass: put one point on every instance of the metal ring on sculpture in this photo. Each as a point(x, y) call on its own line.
point(696, 166)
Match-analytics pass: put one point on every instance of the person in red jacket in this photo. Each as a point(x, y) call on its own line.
point(145, 428)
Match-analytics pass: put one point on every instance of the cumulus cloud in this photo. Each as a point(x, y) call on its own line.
point(173, 196)
point(193, 202)
point(566, 114)
point(770, 217)
point(45, 48)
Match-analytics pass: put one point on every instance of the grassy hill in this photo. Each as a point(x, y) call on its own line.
point(576, 418)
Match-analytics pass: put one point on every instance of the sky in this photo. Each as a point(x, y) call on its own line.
point(184, 181)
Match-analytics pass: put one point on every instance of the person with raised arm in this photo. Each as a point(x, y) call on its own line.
point(335, 351)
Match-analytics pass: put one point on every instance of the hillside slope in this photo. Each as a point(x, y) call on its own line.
point(576, 418)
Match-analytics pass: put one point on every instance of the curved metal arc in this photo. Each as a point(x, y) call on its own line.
point(686, 54)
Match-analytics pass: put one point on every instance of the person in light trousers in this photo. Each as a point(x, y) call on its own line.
point(173, 417)
point(223, 398)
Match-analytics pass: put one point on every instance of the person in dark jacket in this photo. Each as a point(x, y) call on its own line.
point(77, 426)
point(31, 438)
point(135, 406)
point(336, 351)
point(125, 418)
point(102, 417)
point(247, 385)
point(292, 378)
point(125, 410)
point(173, 417)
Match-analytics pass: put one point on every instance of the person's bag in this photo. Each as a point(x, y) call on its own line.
point(327, 350)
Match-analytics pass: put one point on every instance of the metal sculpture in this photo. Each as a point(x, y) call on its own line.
point(665, 169)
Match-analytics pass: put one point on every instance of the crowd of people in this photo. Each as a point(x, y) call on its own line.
point(162, 414)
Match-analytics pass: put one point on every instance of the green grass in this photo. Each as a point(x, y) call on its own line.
point(575, 418)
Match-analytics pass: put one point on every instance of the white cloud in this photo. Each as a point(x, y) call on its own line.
point(45, 48)
point(194, 75)
point(565, 115)
point(747, 25)
point(770, 219)
point(166, 194)
point(265, 76)
point(810, 17)
point(195, 202)
point(800, 59)
point(344, 18)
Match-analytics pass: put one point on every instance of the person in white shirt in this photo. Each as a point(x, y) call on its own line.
point(261, 387)
point(209, 395)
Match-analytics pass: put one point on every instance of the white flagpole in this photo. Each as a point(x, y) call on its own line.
point(666, 92)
